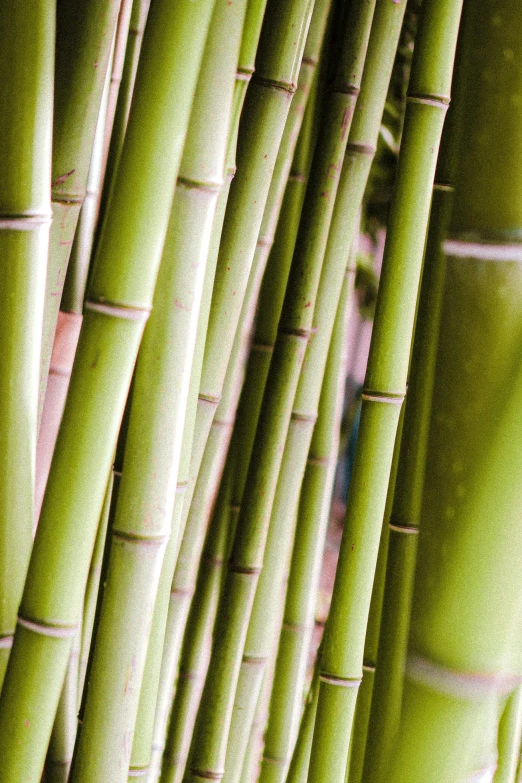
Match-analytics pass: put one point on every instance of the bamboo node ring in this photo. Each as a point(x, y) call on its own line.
point(207, 774)
point(439, 101)
point(462, 685)
point(6, 642)
point(274, 84)
point(120, 311)
point(374, 396)
point(139, 773)
point(43, 629)
point(24, 222)
point(482, 251)
point(310, 417)
point(407, 529)
point(342, 682)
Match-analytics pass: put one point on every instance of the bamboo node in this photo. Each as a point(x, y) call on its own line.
point(207, 774)
point(445, 188)
point(398, 527)
point(297, 627)
point(181, 487)
point(274, 84)
point(6, 642)
point(139, 773)
point(266, 241)
point(368, 667)
point(310, 417)
point(320, 461)
point(306, 333)
point(209, 399)
point(116, 310)
point(375, 396)
point(140, 538)
point(462, 685)
point(342, 682)
point(359, 148)
point(439, 101)
point(272, 760)
point(296, 177)
point(254, 660)
point(248, 570)
point(46, 629)
point(482, 251)
point(193, 184)
point(345, 88)
point(262, 348)
point(24, 222)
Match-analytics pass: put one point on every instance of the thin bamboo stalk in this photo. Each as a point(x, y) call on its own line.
point(403, 522)
point(466, 606)
point(82, 57)
point(119, 299)
point(298, 770)
point(287, 693)
point(70, 316)
point(140, 9)
point(213, 723)
point(153, 444)
point(262, 124)
point(27, 66)
point(198, 638)
point(342, 658)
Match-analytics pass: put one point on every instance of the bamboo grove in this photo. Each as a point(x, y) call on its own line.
point(213, 215)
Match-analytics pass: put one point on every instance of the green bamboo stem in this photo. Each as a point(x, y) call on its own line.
point(140, 9)
point(70, 315)
point(82, 57)
point(298, 770)
point(206, 160)
point(509, 738)
point(198, 638)
point(262, 123)
point(341, 664)
point(119, 299)
point(147, 491)
point(287, 694)
point(173, 600)
point(27, 65)
point(470, 510)
point(403, 522)
point(213, 723)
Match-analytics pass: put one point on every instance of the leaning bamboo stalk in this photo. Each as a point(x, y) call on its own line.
point(342, 657)
point(69, 317)
point(153, 443)
point(201, 172)
point(198, 638)
point(82, 57)
point(27, 67)
point(298, 769)
point(403, 521)
point(119, 299)
point(464, 649)
point(509, 738)
point(262, 124)
point(140, 9)
point(213, 723)
point(314, 510)
point(303, 584)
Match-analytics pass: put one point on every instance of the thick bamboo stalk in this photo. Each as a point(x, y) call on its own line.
point(342, 658)
point(288, 690)
point(27, 40)
point(509, 738)
point(70, 316)
point(119, 299)
point(213, 723)
point(464, 649)
point(403, 521)
point(82, 57)
point(140, 9)
point(153, 444)
point(262, 124)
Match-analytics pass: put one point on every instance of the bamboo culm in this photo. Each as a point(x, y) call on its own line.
point(212, 726)
point(27, 66)
point(384, 388)
point(469, 632)
point(117, 305)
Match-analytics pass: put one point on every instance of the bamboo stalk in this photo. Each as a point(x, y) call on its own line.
point(27, 66)
point(153, 444)
point(169, 590)
point(138, 17)
point(82, 57)
point(69, 316)
point(509, 738)
point(404, 519)
point(212, 727)
point(119, 299)
point(198, 638)
point(341, 664)
point(287, 693)
point(262, 124)
point(298, 770)
point(471, 505)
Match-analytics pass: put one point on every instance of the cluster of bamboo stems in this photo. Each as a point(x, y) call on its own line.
point(183, 189)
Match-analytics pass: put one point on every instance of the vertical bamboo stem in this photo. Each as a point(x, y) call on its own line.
point(509, 738)
point(213, 723)
point(464, 652)
point(82, 57)
point(27, 40)
point(342, 658)
point(119, 299)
